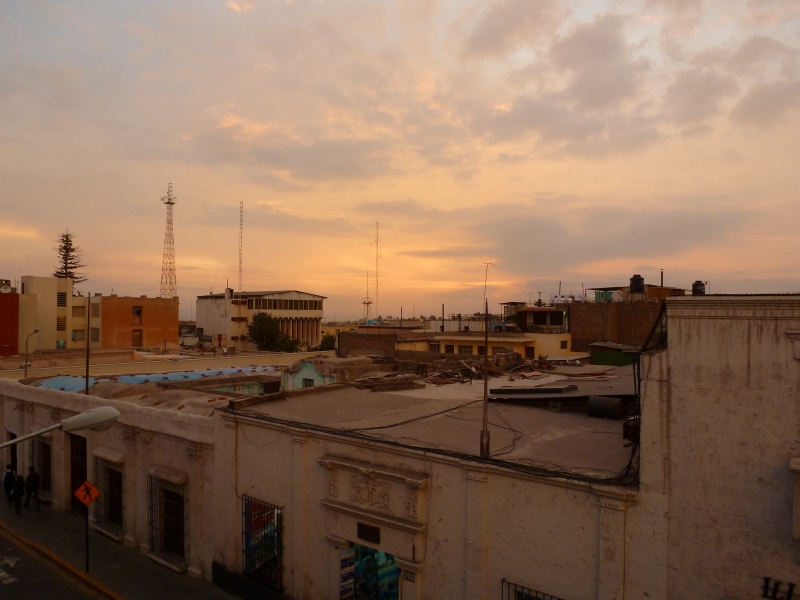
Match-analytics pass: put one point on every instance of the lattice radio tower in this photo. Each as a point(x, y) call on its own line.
point(169, 283)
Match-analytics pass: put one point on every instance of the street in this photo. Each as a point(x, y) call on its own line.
point(24, 575)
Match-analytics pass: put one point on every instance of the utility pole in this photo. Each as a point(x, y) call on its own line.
point(485, 430)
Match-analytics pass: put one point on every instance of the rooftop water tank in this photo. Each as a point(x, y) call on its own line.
point(698, 288)
point(637, 284)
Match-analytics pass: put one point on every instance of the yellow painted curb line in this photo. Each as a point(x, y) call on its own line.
point(92, 583)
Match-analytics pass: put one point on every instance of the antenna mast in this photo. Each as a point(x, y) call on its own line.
point(239, 305)
point(169, 284)
point(367, 302)
point(377, 256)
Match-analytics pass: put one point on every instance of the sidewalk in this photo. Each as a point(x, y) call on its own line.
point(123, 570)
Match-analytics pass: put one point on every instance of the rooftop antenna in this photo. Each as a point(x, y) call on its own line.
point(169, 284)
point(486, 279)
point(367, 302)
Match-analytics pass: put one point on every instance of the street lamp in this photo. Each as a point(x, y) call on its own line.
point(35, 331)
point(96, 419)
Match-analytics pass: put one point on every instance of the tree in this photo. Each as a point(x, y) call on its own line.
point(69, 259)
point(265, 332)
point(328, 343)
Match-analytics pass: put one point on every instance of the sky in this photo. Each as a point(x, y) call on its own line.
point(571, 143)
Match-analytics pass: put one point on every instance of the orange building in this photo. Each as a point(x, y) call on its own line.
point(139, 322)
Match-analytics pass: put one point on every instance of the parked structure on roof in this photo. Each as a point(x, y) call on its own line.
point(636, 291)
point(225, 316)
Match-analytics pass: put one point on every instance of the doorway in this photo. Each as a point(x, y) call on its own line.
point(13, 451)
point(77, 469)
point(368, 574)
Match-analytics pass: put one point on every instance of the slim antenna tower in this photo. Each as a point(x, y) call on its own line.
point(377, 256)
point(169, 284)
point(239, 305)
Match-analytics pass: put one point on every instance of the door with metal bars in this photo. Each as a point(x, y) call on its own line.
point(262, 543)
point(41, 460)
point(167, 521)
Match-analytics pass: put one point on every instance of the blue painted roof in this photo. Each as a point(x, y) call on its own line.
point(77, 383)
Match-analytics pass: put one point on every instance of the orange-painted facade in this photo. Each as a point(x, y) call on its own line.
point(138, 322)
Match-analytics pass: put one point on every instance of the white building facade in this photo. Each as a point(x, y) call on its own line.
point(225, 316)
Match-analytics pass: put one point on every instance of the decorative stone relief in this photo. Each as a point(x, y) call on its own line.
point(365, 490)
point(412, 502)
point(794, 335)
point(55, 416)
point(333, 483)
point(194, 450)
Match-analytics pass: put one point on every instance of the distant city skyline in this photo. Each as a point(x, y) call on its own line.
point(569, 141)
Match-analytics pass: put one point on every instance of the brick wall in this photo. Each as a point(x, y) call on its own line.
point(620, 322)
point(354, 343)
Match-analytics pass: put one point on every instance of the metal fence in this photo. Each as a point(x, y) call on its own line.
point(262, 537)
point(108, 508)
point(166, 507)
point(512, 591)
point(41, 460)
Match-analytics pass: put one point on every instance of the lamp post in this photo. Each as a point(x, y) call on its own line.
point(35, 331)
point(96, 419)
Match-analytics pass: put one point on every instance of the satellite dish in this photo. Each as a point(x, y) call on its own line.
point(5, 289)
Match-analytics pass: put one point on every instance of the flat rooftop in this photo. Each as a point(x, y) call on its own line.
point(449, 418)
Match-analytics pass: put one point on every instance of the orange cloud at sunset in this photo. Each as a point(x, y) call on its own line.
point(563, 141)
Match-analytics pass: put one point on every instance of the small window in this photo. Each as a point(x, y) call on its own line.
point(61, 344)
point(564, 344)
point(61, 298)
point(434, 347)
point(137, 315)
point(449, 349)
point(464, 349)
point(61, 323)
point(249, 304)
point(95, 333)
point(239, 319)
point(78, 312)
point(96, 311)
point(308, 382)
point(481, 350)
point(78, 335)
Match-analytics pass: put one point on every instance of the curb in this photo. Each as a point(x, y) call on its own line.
point(83, 577)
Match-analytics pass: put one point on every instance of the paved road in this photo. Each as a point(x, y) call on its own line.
point(24, 575)
point(167, 366)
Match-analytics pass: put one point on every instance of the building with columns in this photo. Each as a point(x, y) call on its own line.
point(225, 316)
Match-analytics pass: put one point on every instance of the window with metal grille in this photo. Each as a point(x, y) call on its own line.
point(307, 383)
point(61, 323)
point(95, 310)
point(78, 311)
point(262, 533)
point(464, 349)
point(41, 459)
point(166, 521)
point(95, 334)
point(137, 315)
point(108, 508)
point(512, 591)
point(61, 298)
point(78, 335)
point(434, 347)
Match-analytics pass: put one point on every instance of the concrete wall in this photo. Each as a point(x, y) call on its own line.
point(159, 322)
point(620, 322)
point(458, 528)
point(9, 325)
point(548, 344)
point(45, 289)
point(143, 438)
point(355, 344)
point(720, 426)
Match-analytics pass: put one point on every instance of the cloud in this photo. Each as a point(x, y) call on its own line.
point(509, 24)
point(695, 95)
point(240, 6)
point(767, 103)
point(11, 231)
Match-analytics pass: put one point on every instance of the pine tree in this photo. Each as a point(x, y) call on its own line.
point(69, 259)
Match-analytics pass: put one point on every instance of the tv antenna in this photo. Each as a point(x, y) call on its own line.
point(367, 302)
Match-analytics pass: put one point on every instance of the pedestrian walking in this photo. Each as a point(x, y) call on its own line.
point(32, 488)
point(9, 477)
point(17, 492)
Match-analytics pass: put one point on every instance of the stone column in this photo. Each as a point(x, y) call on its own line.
point(197, 529)
point(133, 493)
point(611, 549)
point(476, 539)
